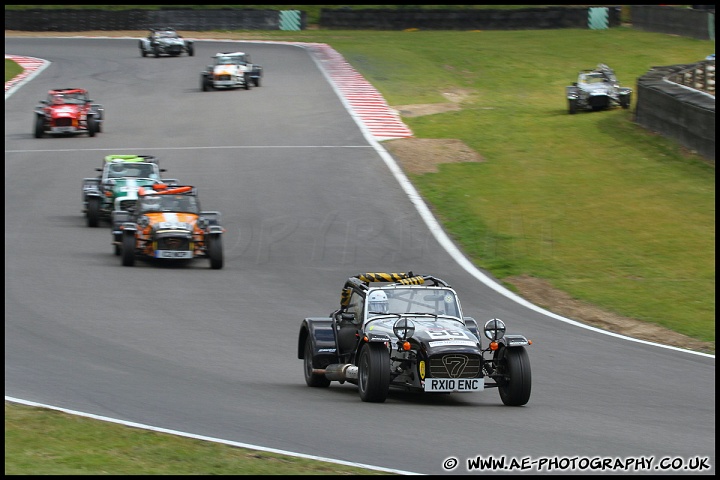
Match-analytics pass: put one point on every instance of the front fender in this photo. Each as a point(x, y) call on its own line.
point(511, 341)
point(129, 227)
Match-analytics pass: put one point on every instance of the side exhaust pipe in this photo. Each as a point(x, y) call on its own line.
point(338, 372)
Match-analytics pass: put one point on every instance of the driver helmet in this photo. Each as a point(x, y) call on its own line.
point(57, 99)
point(117, 168)
point(378, 302)
point(151, 204)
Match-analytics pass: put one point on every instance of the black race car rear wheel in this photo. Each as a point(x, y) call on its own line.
point(93, 211)
point(312, 379)
point(515, 385)
point(374, 372)
point(128, 249)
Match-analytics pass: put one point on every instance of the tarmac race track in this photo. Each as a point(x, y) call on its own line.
point(307, 200)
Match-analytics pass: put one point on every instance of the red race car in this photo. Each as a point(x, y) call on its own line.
point(68, 111)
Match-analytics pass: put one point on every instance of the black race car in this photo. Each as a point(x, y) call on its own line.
point(408, 331)
point(165, 41)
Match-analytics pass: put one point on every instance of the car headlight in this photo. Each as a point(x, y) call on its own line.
point(404, 329)
point(494, 329)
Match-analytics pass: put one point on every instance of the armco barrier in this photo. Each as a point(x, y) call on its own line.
point(469, 18)
point(74, 20)
point(675, 111)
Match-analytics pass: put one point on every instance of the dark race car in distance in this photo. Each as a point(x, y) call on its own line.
point(406, 331)
point(68, 111)
point(165, 41)
point(597, 89)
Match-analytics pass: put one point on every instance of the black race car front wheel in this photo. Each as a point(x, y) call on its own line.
point(39, 126)
point(374, 372)
point(515, 385)
point(312, 379)
point(128, 249)
point(205, 83)
point(92, 125)
point(215, 252)
point(625, 101)
point(93, 211)
point(572, 106)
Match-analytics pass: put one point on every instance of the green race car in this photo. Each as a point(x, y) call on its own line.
point(117, 185)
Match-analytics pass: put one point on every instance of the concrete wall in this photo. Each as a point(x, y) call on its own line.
point(686, 22)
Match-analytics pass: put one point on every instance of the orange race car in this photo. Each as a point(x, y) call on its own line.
point(167, 224)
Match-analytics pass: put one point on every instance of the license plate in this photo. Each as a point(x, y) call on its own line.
point(454, 384)
point(63, 129)
point(173, 254)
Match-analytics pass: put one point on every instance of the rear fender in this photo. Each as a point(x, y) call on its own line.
point(323, 338)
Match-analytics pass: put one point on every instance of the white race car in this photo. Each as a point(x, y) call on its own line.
point(231, 70)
